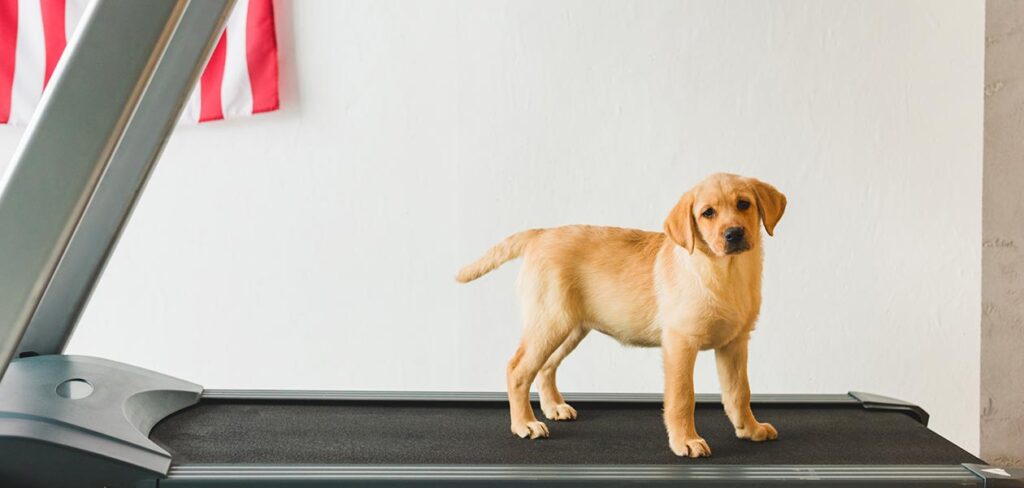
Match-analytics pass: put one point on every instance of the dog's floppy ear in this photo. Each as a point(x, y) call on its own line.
point(771, 203)
point(679, 226)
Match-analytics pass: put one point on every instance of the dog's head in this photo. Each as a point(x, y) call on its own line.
point(720, 215)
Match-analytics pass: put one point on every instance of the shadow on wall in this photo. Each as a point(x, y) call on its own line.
point(287, 57)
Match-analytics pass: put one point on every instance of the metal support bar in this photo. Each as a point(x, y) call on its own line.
point(119, 189)
point(81, 117)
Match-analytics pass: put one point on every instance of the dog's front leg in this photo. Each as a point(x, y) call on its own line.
point(679, 352)
point(732, 374)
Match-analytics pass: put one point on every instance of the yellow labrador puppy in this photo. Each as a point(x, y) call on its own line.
point(697, 286)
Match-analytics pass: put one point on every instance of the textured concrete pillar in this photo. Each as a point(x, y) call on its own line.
point(1002, 287)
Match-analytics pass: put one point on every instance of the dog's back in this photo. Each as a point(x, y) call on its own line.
point(598, 275)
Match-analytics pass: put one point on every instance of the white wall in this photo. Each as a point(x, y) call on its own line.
point(315, 247)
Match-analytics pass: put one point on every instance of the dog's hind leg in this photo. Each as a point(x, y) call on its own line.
point(551, 401)
point(540, 339)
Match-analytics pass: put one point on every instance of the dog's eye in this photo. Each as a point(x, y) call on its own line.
point(707, 214)
point(742, 204)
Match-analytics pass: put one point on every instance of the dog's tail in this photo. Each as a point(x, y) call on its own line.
point(510, 248)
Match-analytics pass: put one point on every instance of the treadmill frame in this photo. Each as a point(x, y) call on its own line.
point(211, 475)
point(63, 205)
point(200, 476)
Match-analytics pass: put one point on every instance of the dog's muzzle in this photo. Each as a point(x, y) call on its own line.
point(735, 240)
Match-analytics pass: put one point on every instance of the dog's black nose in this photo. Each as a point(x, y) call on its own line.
point(734, 234)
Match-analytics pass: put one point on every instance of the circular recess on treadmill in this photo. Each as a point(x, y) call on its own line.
point(74, 389)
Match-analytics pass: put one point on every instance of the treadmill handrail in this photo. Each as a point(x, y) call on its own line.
point(92, 94)
point(125, 178)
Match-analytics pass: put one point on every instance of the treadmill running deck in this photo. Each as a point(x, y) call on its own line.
point(399, 432)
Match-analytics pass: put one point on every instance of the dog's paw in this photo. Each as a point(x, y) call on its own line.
point(694, 447)
point(533, 430)
point(562, 411)
point(759, 432)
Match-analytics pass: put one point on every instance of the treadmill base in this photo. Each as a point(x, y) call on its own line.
point(83, 421)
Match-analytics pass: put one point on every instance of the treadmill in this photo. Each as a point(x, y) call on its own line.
point(82, 421)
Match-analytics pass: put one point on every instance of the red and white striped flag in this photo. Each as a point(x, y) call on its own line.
point(239, 79)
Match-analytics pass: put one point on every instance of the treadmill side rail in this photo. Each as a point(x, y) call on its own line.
point(502, 397)
point(83, 421)
point(872, 401)
point(689, 475)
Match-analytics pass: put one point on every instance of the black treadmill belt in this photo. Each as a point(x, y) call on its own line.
point(409, 432)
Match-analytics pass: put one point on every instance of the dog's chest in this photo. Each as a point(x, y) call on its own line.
point(713, 312)
point(718, 322)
